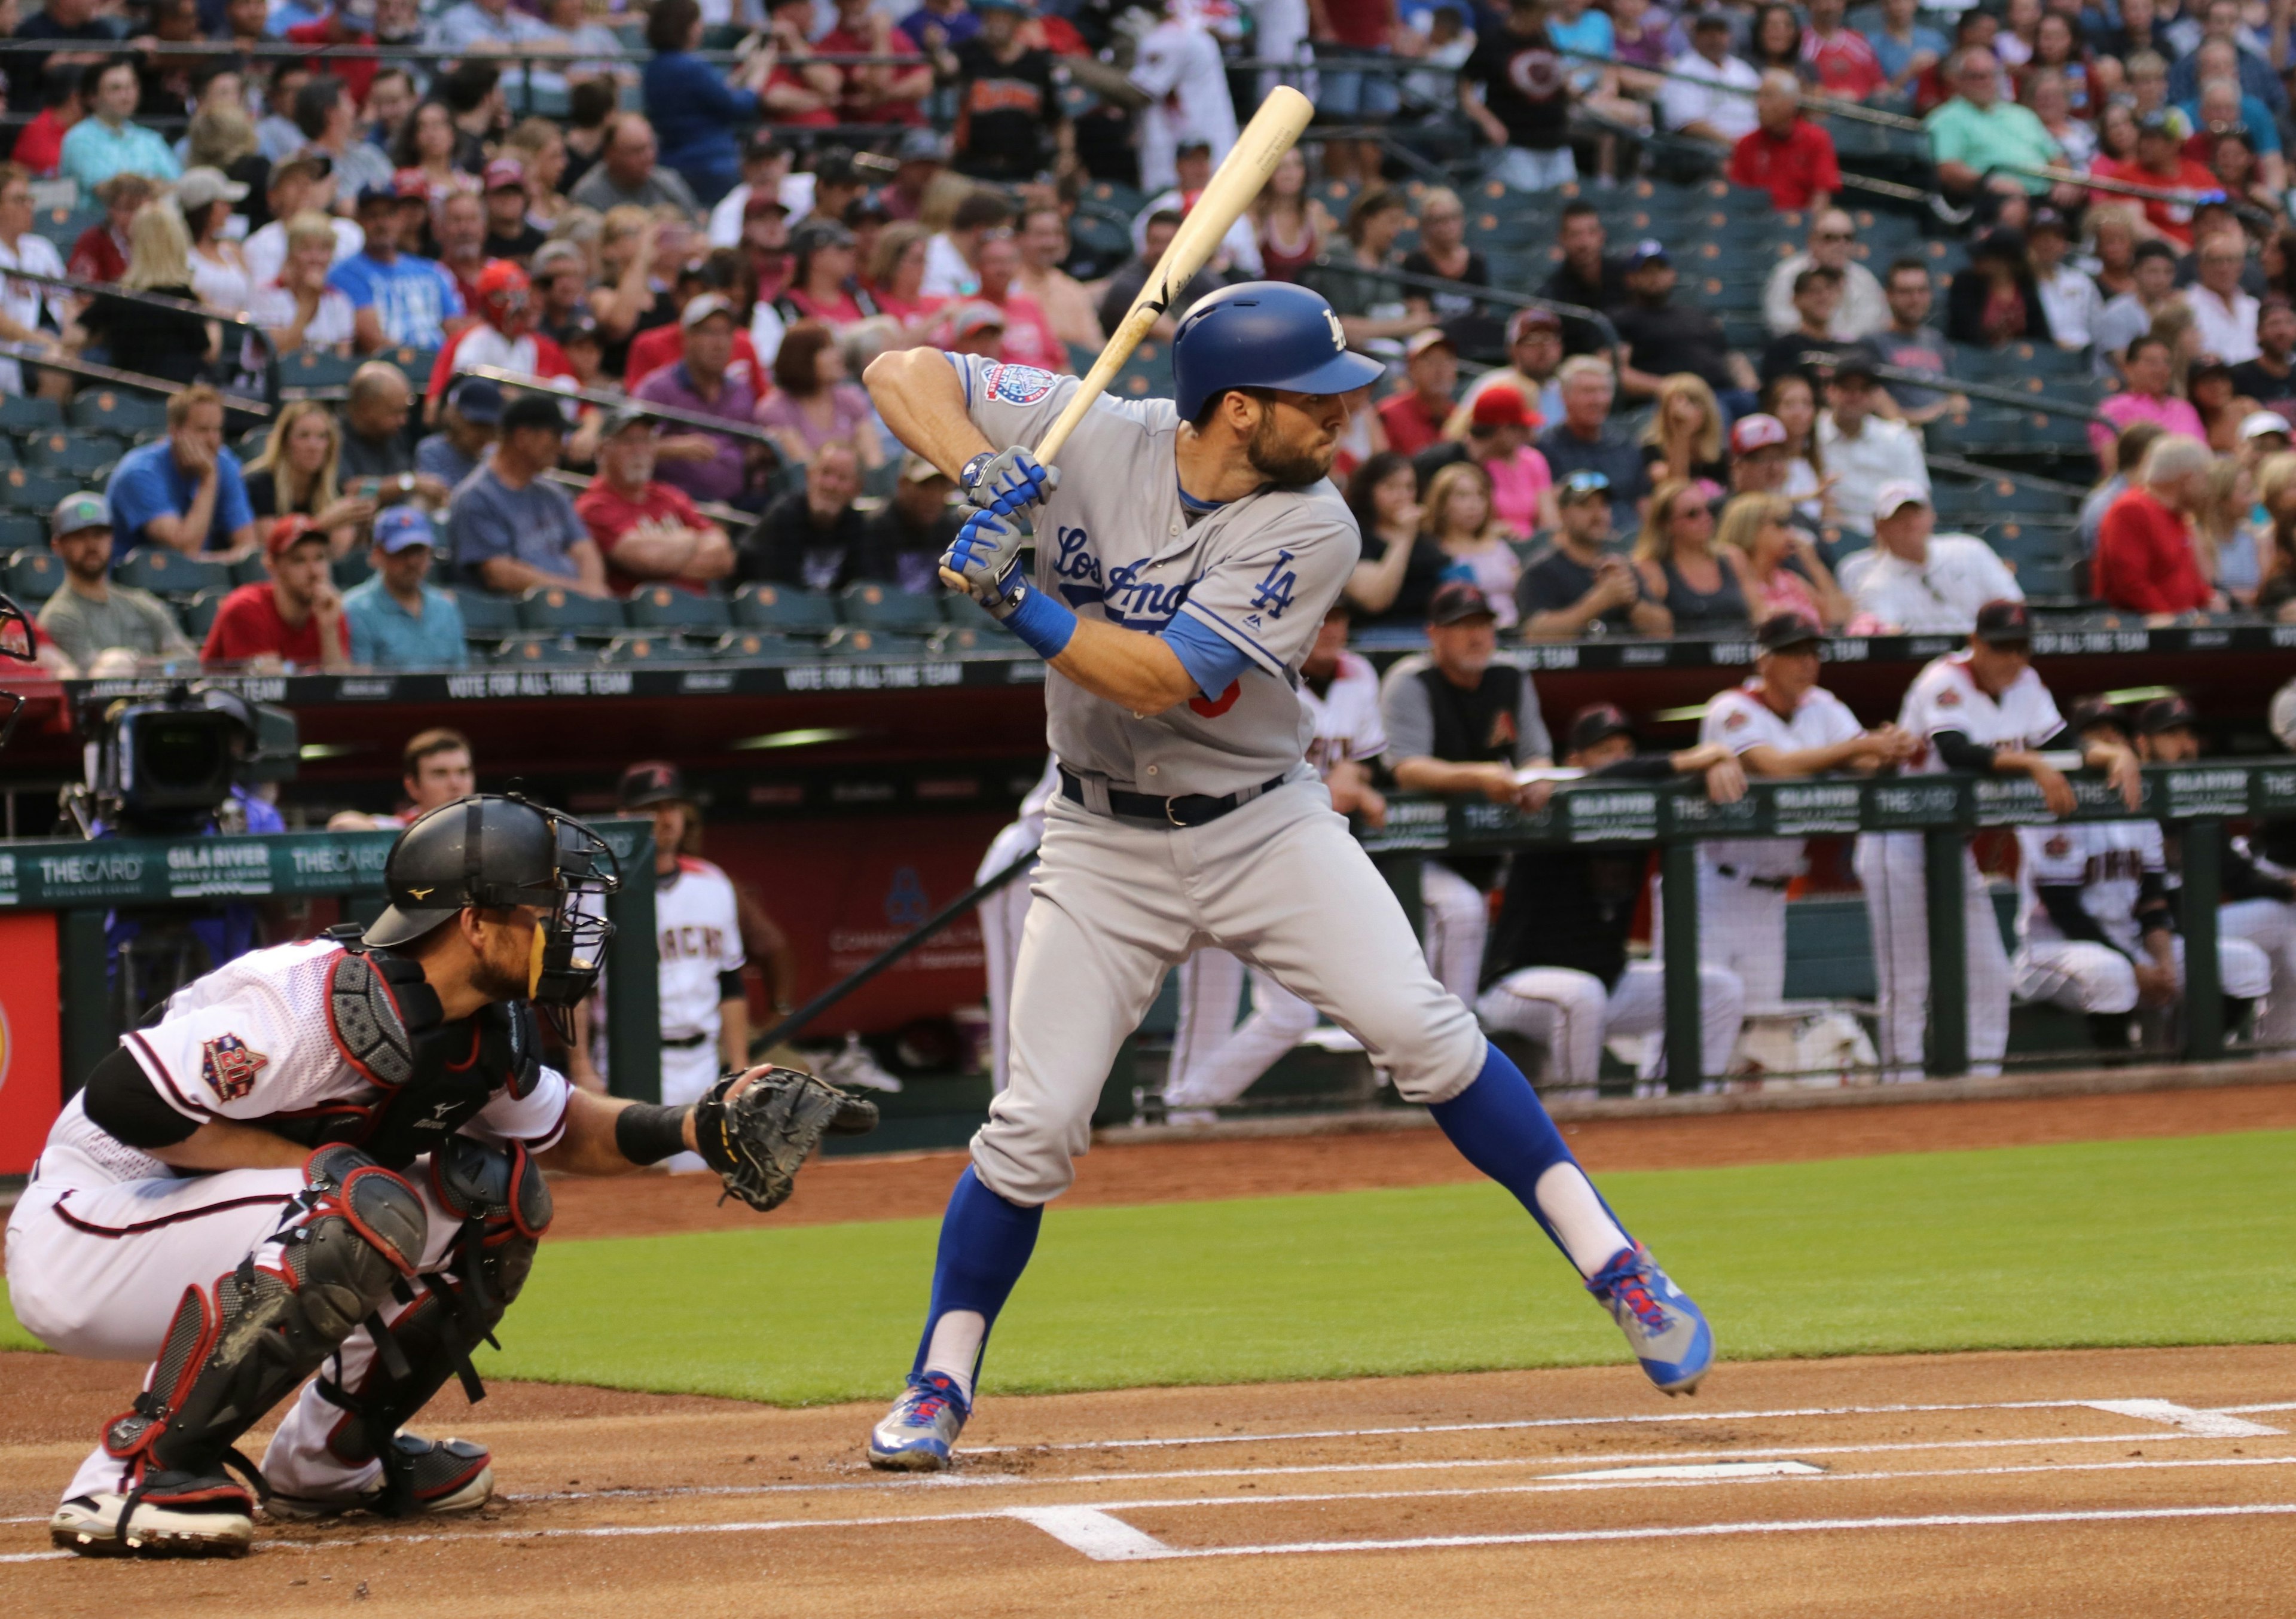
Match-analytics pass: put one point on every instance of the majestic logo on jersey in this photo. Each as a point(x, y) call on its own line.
point(1735, 720)
point(1016, 384)
point(1273, 593)
point(229, 1065)
point(1948, 699)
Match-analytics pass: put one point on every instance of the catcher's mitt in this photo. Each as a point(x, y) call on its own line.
point(758, 1140)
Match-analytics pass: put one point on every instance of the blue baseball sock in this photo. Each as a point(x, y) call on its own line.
point(985, 1244)
point(1498, 1126)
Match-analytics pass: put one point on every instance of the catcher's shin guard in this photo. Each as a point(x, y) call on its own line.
point(236, 1349)
point(504, 1205)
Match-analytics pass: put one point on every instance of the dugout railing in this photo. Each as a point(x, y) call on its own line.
point(1946, 811)
point(84, 883)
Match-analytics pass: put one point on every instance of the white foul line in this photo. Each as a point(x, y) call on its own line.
point(1091, 1531)
point(2208, 1425)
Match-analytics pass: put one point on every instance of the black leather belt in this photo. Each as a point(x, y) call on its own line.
point(685, 1043)
point(1778, 885)
point(1193, 809)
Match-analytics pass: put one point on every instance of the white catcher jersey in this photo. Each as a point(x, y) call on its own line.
point(1113, 543)
point(2108, 859)
point(699, 929)
point(1944, 698)
point(1345, 720)
point(252, 1040)
point(1739, 719)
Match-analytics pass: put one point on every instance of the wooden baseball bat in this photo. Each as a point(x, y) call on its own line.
point(1273, 129)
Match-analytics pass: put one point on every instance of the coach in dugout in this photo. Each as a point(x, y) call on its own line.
point(1461, 724)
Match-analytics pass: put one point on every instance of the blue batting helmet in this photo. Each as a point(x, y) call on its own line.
point(1264, 334)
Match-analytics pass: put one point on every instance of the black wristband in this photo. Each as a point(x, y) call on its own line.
point(646, 1133)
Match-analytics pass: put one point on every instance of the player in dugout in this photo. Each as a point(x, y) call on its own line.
point(435, 769)
point(1556, 970)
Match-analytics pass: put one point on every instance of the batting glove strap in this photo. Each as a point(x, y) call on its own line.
point(1004, 481)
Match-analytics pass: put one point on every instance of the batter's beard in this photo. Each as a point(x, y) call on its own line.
point(1282, 463)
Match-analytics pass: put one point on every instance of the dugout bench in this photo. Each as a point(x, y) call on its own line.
point(2197, 799)
point(56, 1021)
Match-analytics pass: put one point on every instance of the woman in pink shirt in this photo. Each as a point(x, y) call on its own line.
point(1460, 520)
point(1782, 572)
point(2146, 398)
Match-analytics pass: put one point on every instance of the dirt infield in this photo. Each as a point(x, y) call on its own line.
point(2108, 1482)
point(1179, 1171)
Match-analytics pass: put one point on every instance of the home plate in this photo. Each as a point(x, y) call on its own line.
point(1704, 1470)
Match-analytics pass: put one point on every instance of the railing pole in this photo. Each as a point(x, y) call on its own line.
point(1944, 852)
point(2204, 1023)
point(1684, 1016)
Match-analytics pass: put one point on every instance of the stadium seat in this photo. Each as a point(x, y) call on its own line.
point(537, 651)
point(557, 611)
point(667, 607)
point(647, 647)
point(171, 573)
point(198, 614)
point(22, 490)
point(760, 644)
point(316, 368)
point(353, 568)
point(249, 569)
point(1126, 200)
point(486, 616)
point(33, 574)
point(959, 638)
point(21, 416)
point(777, 607)
point(118, 411)
point(64, 226)
point(880, 607)
point(963, 612)
point(853, 640)
point(81, 454)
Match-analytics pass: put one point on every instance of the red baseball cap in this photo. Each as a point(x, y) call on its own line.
point(1500, 405)
point(411, 185)
point(1756, 431)
point(504, 174)
point(289, 532)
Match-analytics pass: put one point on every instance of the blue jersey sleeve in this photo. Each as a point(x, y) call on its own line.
point(233, 512)
point(1212, 661)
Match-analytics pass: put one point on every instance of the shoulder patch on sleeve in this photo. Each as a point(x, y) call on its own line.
point(1015, 384)
point(229, 1066)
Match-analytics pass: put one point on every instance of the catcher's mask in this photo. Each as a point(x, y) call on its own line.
point(494, 852)
point(17, 641)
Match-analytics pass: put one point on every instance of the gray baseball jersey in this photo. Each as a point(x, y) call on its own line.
point(1116, 541)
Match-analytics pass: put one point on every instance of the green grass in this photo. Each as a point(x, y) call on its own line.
point(2147, 1242)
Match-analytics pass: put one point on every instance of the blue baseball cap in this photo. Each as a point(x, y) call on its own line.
point(396, 527)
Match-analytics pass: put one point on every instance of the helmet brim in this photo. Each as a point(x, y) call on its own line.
point(1342, 373)
point(404, 924)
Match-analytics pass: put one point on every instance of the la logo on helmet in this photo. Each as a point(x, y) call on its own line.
point(1339, 332)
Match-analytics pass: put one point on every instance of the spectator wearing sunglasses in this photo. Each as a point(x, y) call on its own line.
point(1577, 586)
point(1865, 308)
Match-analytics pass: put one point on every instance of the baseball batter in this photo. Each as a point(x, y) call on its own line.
point(1213, 1060)
point(1184, 554)
point(1781, 723)
point(1980, 709)
point(328, 1158)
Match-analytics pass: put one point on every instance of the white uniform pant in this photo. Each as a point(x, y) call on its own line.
point(2270, 925)
point(1572, 1014)
point(1280, 29)
point(1742, 926)
point(1889, 868)
point(1213, 1060)
point(98, 1270)
point(686, 1072)
point(1279, 882)
point(1455, 917)
point(1001, 915)
point(2082, 976)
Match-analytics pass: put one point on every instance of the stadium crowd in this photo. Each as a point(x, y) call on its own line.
point(590, 201)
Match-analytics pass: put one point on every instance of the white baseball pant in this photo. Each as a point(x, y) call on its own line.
point(96, 1270)
point(1279, 882)
point(686, 1072)
point(1001, 915)
point(2270, 925)
point(1889, 868)
point(1215, 1060)
point(2082, 976)
point(1572, 1014)
point(1456, 916)
point(1742, 926)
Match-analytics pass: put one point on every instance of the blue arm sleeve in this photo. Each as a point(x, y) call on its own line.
point(1212, 661)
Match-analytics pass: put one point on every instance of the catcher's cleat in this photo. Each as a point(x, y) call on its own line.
point(442, 1476)
point(172, 1515)
point(919, 1434)
point(1666, 1332)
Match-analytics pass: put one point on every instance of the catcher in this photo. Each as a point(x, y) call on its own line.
point(328, 1158)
